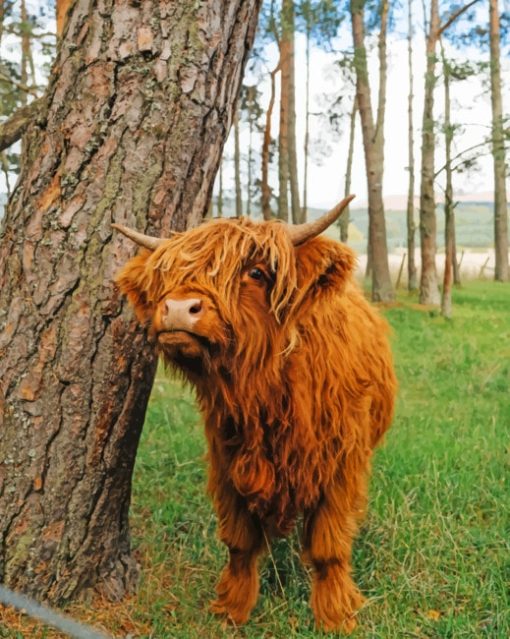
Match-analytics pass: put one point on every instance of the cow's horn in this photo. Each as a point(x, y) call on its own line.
point(300, 233)
point(148, 241)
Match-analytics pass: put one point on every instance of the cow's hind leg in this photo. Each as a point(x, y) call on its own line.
point(328, 534)
point(238, 586)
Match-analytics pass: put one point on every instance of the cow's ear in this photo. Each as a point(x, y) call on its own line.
point(323, 264)
point(134, 280)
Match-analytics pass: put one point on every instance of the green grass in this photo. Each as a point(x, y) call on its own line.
point(433, 554)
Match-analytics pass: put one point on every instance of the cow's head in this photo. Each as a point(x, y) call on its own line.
point(231, 290)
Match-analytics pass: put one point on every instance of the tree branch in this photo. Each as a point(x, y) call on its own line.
point(12, 129)
point(19, 85)
point(455, 15)
point(460, 154)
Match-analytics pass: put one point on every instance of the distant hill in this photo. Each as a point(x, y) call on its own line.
point(474, 223)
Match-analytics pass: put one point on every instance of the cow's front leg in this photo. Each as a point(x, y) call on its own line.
point(238, 587)
point(328, 535)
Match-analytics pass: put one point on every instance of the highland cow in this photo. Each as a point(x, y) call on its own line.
point(294, 377)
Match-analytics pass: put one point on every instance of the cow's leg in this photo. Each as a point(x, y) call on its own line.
point(328, 534)
point(238, 586)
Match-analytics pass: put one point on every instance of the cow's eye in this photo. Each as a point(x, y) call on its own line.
point(256, 273)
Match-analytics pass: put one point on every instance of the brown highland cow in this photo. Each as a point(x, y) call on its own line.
point(294, 377)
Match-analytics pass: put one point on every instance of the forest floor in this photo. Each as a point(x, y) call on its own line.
point(432, 557)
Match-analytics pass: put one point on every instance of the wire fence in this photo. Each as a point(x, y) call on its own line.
point(48, 616)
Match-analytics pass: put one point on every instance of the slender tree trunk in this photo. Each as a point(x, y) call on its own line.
point(456, 265)
point(250, 154)
point(446, 295)
point(429, 291)
point(265, 188)
point(412, 283)
point(498, 151)
point(2, 17)
point(135, 125)
point(344, 218)
point(25, 52)
point(283, 135)
point(373, 143)
point(27, 62)
point(307, 127)
point(5, 169)
point(383, 74)
point(220, 190)
point(297, 214)
point(237, 167)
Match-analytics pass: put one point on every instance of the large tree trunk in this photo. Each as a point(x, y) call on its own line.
point(373, 144)
point(429, 291)
point(498, 150)
point(411, 227)
point(141, 98)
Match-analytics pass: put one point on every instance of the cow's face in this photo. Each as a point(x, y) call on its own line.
point(228, 291)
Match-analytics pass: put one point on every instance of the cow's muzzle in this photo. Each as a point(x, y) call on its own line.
point(181, 315)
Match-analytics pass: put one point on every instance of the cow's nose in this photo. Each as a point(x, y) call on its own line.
point(182, 314)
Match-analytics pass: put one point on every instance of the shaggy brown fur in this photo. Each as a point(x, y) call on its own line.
point(295, 380)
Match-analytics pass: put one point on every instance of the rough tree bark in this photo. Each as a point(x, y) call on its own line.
point(141, 98)
point(373, 144)
point(411, 227)
point(502, 272)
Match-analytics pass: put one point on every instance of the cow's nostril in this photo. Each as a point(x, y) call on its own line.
point(196, 308)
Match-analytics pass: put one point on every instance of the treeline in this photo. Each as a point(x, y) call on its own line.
point(324, 24)
point(271, 181)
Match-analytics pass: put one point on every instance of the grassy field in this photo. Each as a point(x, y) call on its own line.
point(433, 555)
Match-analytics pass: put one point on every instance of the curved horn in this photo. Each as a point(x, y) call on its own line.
point(300, 233)
point(148, 241)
